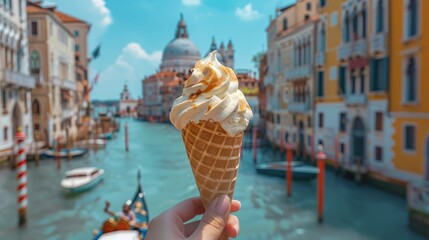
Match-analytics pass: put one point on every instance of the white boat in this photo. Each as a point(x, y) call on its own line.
point(121, 235)
point(300, 171)
point(91, 143)
point(81, 179)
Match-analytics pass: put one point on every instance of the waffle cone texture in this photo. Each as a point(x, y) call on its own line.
point(214, 157)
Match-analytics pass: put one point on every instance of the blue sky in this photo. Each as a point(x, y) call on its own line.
point(133, 33)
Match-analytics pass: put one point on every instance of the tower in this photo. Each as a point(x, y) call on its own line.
point(229, 55)
point(125, 94)
point(182, 31)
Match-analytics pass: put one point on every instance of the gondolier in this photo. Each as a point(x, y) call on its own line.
point(126, 214)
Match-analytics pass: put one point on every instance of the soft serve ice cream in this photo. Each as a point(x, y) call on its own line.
point(211, 94)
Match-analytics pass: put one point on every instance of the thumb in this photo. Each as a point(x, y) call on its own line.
point(214, 219)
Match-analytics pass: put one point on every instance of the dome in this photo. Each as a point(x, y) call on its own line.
point(180, 54)
point(181, 48)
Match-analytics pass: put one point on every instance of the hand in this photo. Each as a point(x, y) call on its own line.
point(172, 223)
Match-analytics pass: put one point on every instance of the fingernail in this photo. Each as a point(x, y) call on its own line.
point(236, 227)
point(222, 205)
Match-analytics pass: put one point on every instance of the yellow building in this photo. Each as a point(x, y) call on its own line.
point(409, 85)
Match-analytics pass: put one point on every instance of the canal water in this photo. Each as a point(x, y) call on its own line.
point(352, 211)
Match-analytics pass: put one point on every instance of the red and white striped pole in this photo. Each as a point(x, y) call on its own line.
point(22, 178)
point(289, 156)
point(255, 144)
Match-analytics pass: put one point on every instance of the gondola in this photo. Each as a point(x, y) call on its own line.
point(118, 227)
point(64, 153)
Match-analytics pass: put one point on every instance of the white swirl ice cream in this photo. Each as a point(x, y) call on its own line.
point(211, 93)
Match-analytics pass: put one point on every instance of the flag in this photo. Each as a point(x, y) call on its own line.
point(96, 52)
point(94, 82)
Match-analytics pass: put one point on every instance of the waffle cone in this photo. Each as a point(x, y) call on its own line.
point(214, 157)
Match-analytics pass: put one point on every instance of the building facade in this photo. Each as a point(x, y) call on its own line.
point(409, 102)
point(250, 88)
point(52, 62)
point(15, 80)
point(127, 105)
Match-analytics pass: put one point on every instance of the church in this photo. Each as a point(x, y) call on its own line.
point(179, 57)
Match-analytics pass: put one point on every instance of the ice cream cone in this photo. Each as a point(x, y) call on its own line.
point(214, 157)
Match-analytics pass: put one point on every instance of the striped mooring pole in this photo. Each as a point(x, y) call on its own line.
point(21, 170)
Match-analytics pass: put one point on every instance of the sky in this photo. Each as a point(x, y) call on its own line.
point(133, 34)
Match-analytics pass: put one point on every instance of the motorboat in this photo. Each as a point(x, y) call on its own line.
point(300, 170)
point(82, 179)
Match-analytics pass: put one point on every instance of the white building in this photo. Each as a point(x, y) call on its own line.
point(15, 82)
point(127, 105)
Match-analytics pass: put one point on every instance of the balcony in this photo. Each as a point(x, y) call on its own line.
point(378, 43)
point(10, 77)
point(67, 113)
point(298, 73)
point(320, 59)
point(354, 99)
point(68, 84)
point(39, 79)
point(300, 107)
point(360, 48)
point(353, 48)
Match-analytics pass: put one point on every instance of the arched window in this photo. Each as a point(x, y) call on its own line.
point(380, 16)
point(412, 18)
point(364, 20)
point(322, 41)
point(284, 24)
point(411, 79)
point(36, 107)
point(346, 27)
point(355, 24)
point(35, 62)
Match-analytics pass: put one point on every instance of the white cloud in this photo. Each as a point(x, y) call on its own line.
point(191, 2)
point(139, 52)
point(247, 13)
point(131, 66)
point(100, 5)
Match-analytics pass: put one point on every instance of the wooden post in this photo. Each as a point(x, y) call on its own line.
point(289, 155)
point(255, 144)
point(21, 171)
point(321, 157)
point(126, 136)
point(58, 155)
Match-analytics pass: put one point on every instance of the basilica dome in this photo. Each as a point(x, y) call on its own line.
point(181, 53)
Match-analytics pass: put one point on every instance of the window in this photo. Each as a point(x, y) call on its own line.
point(343, 121)
point(287, 137)
point(364, 21)
point(346, 27)
point(322, 3)
point(322, 41)
point(353, 82)
point(342, 80)
point(284, 24)
point(321, 120)
point(37, 127)
point(34, 29)
point(411, 81)
point(36, 108)
point(320, 84)
point(308, 6)
point(412, 18)
point(379, 71)
point(379, 121)
point(76, 47)
point(5, 133)
point(355, 24)
point(379, 153)
point(380, 16)
point(362, 81)
point(410, 138)
point(4, 100)
point(342, 148)
point(76, 33)
point(309, 122)
point(278, 118)
point(306, 17)
point(35, 62)
point(294, 120)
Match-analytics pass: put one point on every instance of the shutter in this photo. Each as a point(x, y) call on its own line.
point(385, 80)
point(373, 74)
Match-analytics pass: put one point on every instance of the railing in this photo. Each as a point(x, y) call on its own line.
point(39, 79)
point(301, 107)
point(418, 196)
point(353, 48)
point(67, 113)
point(344, 51)
point(15, 78)
point(354, 99)
point(64, 83)
point(298, 73)
point(378, 43)
point(320, 59)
